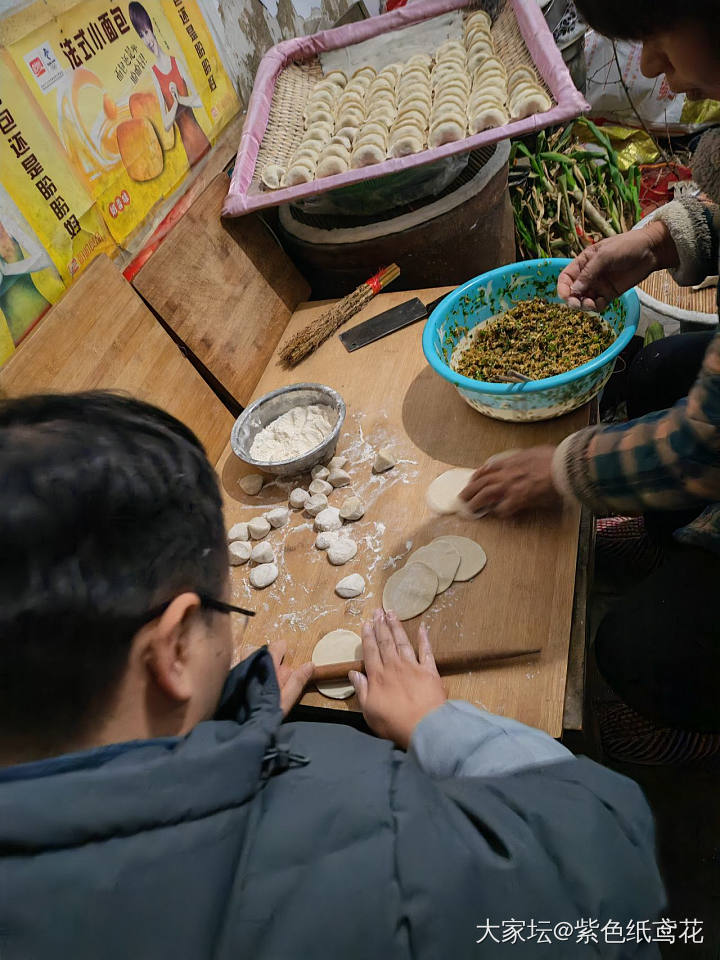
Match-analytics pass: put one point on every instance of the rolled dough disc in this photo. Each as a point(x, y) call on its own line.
point(442, 557)
point(337, 647)
point(443, 494)
point(410, 590)
point(472, 556)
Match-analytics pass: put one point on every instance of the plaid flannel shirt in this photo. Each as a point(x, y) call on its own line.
point(668, 460)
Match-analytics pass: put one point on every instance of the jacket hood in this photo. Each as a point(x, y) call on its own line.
point(124, 789)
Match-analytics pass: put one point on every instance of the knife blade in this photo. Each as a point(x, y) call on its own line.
point(387, 322)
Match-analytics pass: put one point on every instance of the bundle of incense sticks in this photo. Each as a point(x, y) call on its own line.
point(317, 332)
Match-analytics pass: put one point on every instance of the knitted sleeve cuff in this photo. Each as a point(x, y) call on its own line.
point(690, 223)
point(570, 469)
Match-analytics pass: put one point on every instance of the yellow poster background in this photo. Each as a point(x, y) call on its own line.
point(135, 92)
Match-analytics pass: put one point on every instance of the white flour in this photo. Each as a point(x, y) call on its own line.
point(294, 433)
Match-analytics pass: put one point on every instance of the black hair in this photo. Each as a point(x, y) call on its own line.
point(140, 18)
point(638, 20)
point(108, 507)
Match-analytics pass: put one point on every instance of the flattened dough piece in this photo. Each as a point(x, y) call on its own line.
point(410, 590)
point(472, 556)
point(441, 557)
point(337, 646)
point(443, 494)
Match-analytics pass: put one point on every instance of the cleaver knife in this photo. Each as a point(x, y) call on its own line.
point(387, 322)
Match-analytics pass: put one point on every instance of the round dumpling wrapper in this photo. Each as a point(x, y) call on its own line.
point(410, 590)
point(272, 175)
point(367, 155)
point(487, 118)
point(447, 132)
point(331, 166)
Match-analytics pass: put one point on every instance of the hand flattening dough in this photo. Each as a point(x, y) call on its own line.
point(443, 494)
point(337, 646)
point(472, 556)
point(441, 557)
point(410, 590)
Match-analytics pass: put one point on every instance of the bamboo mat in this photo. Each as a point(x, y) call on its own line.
point(662, 287)
point(294, 85)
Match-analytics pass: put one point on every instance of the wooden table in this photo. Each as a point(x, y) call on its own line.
point(523, 598)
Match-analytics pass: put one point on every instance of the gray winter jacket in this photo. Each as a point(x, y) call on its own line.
point(250, 838)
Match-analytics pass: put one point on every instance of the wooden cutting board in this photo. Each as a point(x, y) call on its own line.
point(524, 596)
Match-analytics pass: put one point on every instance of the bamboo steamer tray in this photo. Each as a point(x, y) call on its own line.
point(286, 76)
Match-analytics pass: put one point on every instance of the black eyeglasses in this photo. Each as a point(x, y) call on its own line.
point(209, 603)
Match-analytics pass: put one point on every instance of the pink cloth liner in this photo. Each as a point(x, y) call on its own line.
point(535, 32)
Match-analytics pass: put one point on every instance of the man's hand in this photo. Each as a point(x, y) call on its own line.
point(291, 682)
point(398, 688)
point(522, 480)
point(605, 270)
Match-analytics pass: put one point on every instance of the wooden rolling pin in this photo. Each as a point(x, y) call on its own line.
point(448, 663)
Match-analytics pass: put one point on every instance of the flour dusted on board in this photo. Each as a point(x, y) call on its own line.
point(294, 433)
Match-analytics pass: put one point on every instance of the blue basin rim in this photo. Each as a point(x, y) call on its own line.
point(524, 267)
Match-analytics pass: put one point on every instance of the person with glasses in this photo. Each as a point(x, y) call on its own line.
point(153, 802)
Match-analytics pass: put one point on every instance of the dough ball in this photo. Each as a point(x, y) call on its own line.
point(531, 103)
point(352, 509)
point(443, 494)
point(328, 519)
point(238, 531)
point(384, 460)
point(351, 586)
point(262, 553)
point(338, 477)
point(316, 503)
point(337, 77)
point(272, 174)
point(487, 119)
point(277, 517)
point(298, 498)
point(443, 558)
point(239, 552)
point(407, 146)
point(264, 575)
point(341, 550)
point(448, 131)
point(297, 175)
point(339, 462)
point(338, 646)
point(367, 155)
point(324, 540)
point(258, 528)
point(410, 590)
point(472, 556)
point(320, 472)
point(252, 483)
point(320, 486)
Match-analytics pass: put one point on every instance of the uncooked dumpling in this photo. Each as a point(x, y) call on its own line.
point(296, 175)
point(330, 167)
point(371, 138)
point(472, 556)
point(410, 590)
point(488, 118)
point(272, 174)
point(478, 16)
point(338, 646)
point(526, 106)
point(334, 150)
point(367, 155)
point(337, 77)
point(448, 131)
point(443, 558)
point(406, 147)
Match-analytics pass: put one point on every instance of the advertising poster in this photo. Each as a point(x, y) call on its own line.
point(135, 94)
